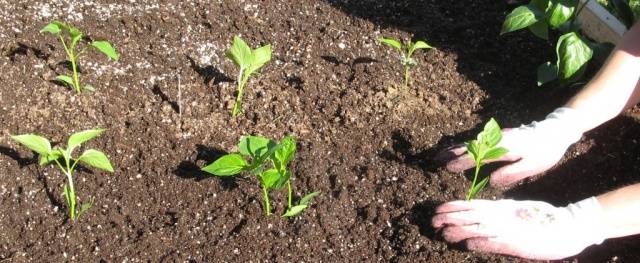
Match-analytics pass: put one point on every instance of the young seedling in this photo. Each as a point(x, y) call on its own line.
point(65, 161)
point(482, 149)
point(70, 37)
point(406, 53)
point(249, 61)
point(262, 152)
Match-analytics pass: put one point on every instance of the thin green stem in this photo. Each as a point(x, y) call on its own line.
point(290, 191)
point(74, 64)
point(72, 194)
point(265, 197)
point(242, 80)
point(475, 180)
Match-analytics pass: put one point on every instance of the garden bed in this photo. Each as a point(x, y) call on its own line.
point(364, 142)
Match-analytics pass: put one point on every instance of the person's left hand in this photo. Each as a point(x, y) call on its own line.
point(527, 229)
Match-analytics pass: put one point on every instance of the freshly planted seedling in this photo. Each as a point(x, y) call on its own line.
point(249, 61)
point(406, 53)
point(573, 50)
point(261, 152)
point(482, 149)
point(65, 161)
point(70, 37)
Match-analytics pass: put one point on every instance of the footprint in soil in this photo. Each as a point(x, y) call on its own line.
point(191, 170)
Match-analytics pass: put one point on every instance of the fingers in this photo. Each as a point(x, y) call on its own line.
point(462, 205)
point(460, 213)
point(492, 245)
point(456, 158)
point(455, 234)
point(511, 174)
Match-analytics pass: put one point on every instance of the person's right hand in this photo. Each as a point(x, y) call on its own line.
point(533, 148)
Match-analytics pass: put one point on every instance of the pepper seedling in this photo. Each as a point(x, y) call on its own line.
point(262, 151)
point(65, 161)
point(406, 54)
point(248, 61)
point(70, 37)
point(482, 149)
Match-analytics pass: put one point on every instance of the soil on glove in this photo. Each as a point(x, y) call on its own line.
point(364, 141)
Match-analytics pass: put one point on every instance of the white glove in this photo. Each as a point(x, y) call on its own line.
point(533, 148)
point(527, 229)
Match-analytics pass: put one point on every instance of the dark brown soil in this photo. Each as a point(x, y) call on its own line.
point(364, 142)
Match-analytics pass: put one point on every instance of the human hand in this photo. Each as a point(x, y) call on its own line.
point(527, 229)
point(533, 148)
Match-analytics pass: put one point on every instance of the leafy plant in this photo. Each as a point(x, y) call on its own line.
point(573, 50)
point(261, 152)
point(65, 161)
point(70, 37)
point(627, 11)
point(406, 53)
point(249, 61)
point(482, 149)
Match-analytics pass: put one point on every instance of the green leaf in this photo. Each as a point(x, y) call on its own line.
point(473, 149)
point(80, 137)
point(230, 164)
point(256, 146)
point(75, 38)
point(269, 177)
point(495, 153)
point(283, 178)
point(307, 198)
point(391, 42)
point(491, 135)
point(83, 208)
point(89, 88)
point(96, 159)
point(240, 53)
point(477, 188)
point(285, 152)
point(50, 157)
point(418, 45)
point(259, 58)
point(65, 79)
point(106, 48)
point(573, 55)
point(34, 142)
point(294, 211)
point(560, 12)
point(521, 17)
point(53, 28)
point(540, 29)
point(546, 73)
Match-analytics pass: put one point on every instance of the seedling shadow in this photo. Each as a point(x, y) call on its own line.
point(209, 73)
point(163, 96)
point(22, 162)
point(23, 50)
point(191, 171)
point(357, 61)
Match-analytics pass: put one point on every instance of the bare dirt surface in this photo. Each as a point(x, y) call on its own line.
point(366, 143)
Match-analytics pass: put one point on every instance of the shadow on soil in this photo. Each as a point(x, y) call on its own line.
point(209, 73)
point(191, 170)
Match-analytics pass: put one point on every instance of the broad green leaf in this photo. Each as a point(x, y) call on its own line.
point(495, 153)
point(573, 55)
point(294, 211)
point(75, 39)
point(96, 159)
point(283, 178)
point(74, 32)
point(285, 153)
point(546, 73)
point(240, 53)
point(418, 45)
point(473, 149)
point(560, 12)
point(53, 28)
point(542, 5)
point(521, 17)
point(89, 88)
point(230, 164)
point(34, 142)
point(540, 29)
point(55, 154)
point(269, 177)
point(477, 188)
point(307, 198)
point(391, 42)
point(491, 135)
point(259, 57)
point(256, 146)
point(65, 79)
point(80, 137)
point(106, 48)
